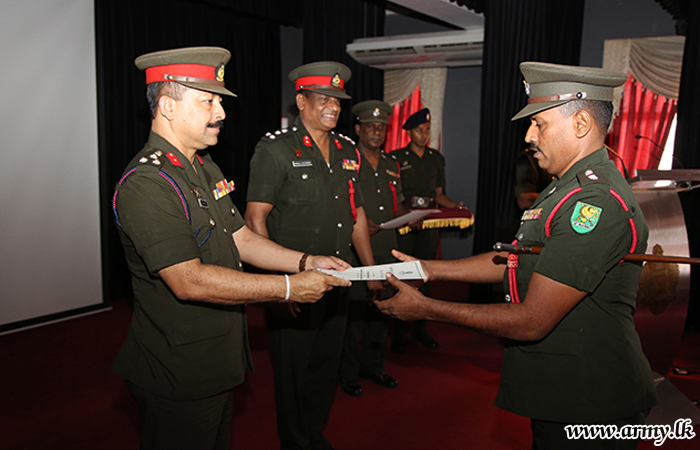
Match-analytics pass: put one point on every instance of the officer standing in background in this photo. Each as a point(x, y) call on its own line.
point(184, 242)
point(572, 354)
point(303, 194)
point(364, 353)
point(423, 183)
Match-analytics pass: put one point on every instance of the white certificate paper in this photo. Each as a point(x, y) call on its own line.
point(411, 270)
point(408, 217)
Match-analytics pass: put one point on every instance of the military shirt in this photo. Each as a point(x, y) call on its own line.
point(590, 367)
point(381, 192)
point(312, 199)
point(421, 176)
point(166, 214)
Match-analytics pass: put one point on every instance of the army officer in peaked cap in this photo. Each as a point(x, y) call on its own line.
point(303, 194)
point(364, 352)
point(184, 242)
point(572, 353)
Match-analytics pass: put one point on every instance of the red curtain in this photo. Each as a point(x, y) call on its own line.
point(648, 115)
point(397, 137)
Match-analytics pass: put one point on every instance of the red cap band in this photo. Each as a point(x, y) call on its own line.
point(318, 82)
point(181, 72)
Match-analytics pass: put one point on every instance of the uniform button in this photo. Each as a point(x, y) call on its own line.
point(376, 174)
point(331, 170)
point(340, 225)
point(379, 191)
point(225, 231)
point(233, 211)
point(240, 264)
point(337, 252)
point(381, 208)
point(304, 176)
point(336, 197)
point(211, 222)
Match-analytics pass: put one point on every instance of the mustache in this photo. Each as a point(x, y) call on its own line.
point(532, 148)
point(218, 124)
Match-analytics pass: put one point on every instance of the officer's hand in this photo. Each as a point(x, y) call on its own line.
point(310, 285)
point(406, 258)
point(373, 227)
point(326, 262)
point(284, 310)
point(375, 290)
point(416, 225)
point(407, 304)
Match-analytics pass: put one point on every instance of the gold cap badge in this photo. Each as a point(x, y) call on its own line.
point(335, 81)
point(220, 72)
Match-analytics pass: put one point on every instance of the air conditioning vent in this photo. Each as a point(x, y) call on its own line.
point(444, 49)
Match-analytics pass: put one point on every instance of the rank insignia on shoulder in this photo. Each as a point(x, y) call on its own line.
point(173, 159)
point(531, 214)
point(307, 140)
point(588, 176)
point(585, 217)
point(223, 188)
point(337, 144)
point(351, 164)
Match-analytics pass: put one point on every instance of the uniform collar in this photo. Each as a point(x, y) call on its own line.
point(157, 141)
point(597, 157)
point(332, 137)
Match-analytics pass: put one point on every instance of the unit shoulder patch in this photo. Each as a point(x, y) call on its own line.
point(585, 217)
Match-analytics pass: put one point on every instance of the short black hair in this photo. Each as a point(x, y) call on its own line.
point(601, 111)
point(154, 91)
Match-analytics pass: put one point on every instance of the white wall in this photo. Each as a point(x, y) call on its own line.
point(49, 221)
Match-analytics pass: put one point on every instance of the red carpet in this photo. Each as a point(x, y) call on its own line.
point(56, 392)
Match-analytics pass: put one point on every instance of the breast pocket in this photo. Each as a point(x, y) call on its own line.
point(303, 185)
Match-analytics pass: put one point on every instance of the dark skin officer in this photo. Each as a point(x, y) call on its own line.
point(302, 194)
point(572, 354)
point(184, 242)
point(364, 351)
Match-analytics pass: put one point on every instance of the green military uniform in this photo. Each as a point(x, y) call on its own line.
point(180, 359)
point(367, 326)
point(174, 348)
point(313, 212)
point(591, 366)
point(167, 214)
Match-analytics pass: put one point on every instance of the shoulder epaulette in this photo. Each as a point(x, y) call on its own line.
point(279, 133)
point(589, 176)
point(345, 137)
point(155, 159)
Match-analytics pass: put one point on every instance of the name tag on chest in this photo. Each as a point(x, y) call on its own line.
point(302, 164)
